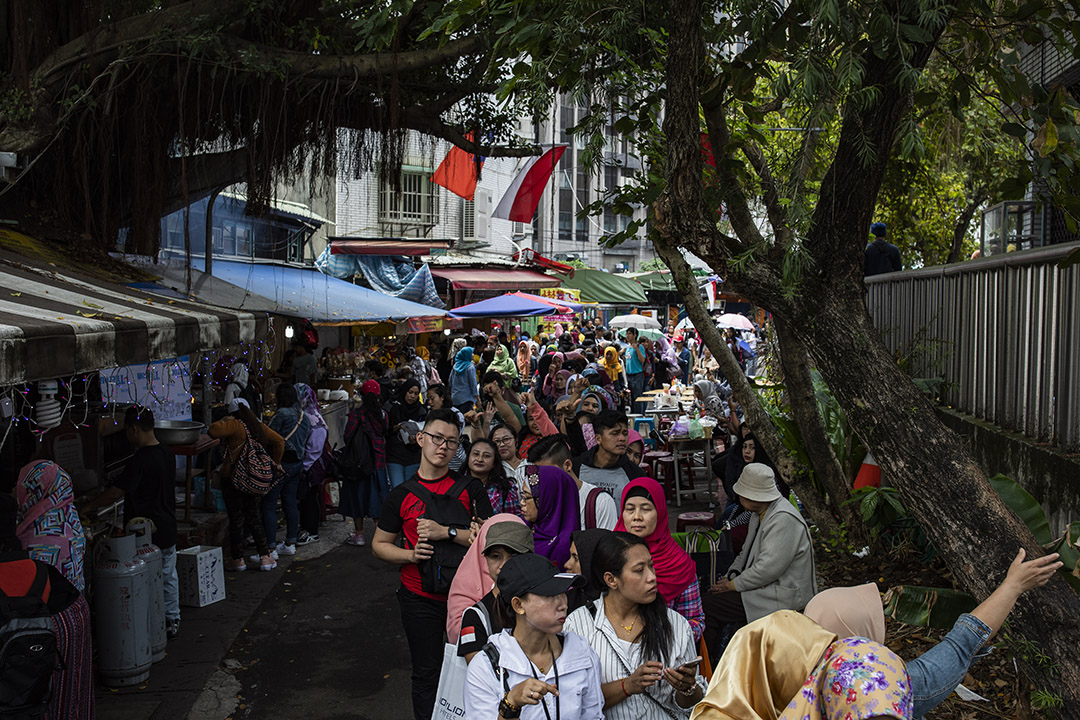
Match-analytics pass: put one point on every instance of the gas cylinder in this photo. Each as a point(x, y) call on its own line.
point(151, 555)
point(121, 609)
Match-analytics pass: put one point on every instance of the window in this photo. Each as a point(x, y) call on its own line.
point(610, 221)
point(468, 220)
point(582, 181)
point(611, 178)
point(566, 214)
point(415, 203)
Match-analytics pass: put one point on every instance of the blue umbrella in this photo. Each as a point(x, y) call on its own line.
point(746, 348)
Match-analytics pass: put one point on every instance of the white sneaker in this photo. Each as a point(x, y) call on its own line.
point(283, 549)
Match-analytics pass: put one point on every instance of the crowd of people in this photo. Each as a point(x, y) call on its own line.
point(535, 551)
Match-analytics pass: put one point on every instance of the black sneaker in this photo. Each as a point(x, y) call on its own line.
point(306, 538)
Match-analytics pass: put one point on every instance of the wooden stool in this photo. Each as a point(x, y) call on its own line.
point(652, 458)
point(666, 474)
point(692, 519)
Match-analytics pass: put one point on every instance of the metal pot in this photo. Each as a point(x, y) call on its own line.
point(177, 432)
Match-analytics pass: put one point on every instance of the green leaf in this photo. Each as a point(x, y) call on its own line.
point(916, 33)
point(1014, 129)
point(1046, 141)
point(1025, 506)
point(1028, 9)
point(1073, 258)
point(927, 607)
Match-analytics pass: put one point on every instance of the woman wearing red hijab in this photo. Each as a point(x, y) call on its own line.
point(645, 514)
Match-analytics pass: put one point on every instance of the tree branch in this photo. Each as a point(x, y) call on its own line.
point(778, 216)
point(738, 209)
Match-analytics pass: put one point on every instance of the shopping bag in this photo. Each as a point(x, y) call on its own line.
point(711, 552)
point(450, 697)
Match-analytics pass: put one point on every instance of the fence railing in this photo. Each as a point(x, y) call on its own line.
point(1003, 332)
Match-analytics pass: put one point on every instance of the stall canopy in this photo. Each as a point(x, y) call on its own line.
point(661, 281)
point(55, 325)
point(172, 282)
point(607, 289)
point(509, 305)
point(572, 306)
point(494, 279)
point(320, 298)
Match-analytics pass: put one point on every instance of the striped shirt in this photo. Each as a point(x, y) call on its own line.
point(619, 658)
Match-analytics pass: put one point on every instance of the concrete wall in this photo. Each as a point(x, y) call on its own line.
point(1050, 475)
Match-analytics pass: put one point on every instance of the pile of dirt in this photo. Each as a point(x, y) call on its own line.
point(995, 677)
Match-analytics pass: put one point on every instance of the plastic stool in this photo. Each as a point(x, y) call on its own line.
point(652, 457)
point(638, 422)
point(692, 519)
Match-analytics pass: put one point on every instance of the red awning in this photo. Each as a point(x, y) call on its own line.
point(492, 279)
point(385, 246)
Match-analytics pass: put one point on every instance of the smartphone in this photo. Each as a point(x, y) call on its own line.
point(692, 663)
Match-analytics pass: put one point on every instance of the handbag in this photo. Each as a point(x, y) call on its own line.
point(711, 552)
point(450, 697)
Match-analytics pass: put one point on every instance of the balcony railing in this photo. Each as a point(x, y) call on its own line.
point(1004, 333)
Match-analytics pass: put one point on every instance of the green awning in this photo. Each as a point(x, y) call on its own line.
point(598, 286)
point(656, 281)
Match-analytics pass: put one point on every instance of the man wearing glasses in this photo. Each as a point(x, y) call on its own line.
point(423, 613)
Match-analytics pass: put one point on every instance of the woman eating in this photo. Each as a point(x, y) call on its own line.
point(534, 671)
point(549, 502)
point(402, 453)
point(486, 466)
point(648, 658)
point(645, 514)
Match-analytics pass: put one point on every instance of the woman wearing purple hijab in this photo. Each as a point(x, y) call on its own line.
point(549, 503)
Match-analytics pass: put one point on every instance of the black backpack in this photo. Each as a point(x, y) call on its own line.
point(355, 461)
point(437, 572)
point(30, 593)
point(248, 393)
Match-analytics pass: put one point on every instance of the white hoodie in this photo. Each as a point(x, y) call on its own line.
point(580, 697)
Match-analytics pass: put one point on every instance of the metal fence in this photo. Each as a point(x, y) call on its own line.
point(1003, 332)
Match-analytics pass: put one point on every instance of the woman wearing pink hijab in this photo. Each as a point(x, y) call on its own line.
point(472, 580)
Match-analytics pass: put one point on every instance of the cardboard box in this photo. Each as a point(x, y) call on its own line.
point(201, 572)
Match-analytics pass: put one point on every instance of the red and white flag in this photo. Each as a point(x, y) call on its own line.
point(521, 198)
point(468, 635)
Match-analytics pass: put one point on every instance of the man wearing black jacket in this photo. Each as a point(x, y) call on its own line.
point(881, 255)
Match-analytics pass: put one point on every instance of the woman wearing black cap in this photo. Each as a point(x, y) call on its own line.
point(532, 670)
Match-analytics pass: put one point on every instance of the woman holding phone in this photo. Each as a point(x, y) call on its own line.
point(648, 660)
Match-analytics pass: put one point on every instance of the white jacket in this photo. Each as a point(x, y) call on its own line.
point(579, 698)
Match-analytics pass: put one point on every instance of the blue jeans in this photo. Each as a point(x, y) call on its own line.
point(286, 490)
point(400, 473)
point(170, 582)
point(937, 672)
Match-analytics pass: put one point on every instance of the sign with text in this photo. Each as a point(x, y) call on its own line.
point(163, 386)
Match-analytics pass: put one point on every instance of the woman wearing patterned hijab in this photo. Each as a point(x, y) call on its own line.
point(549, 502)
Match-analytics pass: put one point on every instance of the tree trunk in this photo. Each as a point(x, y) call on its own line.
point(804, 409)
point(938, 481)
point(756, 415)
point(960, 229)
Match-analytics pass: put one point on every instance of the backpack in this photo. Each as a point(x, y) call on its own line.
point(590, 508)
point(356, 460)
point(30, 593)
point(253, 470)
point(437, 572)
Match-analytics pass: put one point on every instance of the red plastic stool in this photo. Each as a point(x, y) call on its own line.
point(692, 519)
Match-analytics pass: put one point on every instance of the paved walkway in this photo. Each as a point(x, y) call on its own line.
point(192, 681)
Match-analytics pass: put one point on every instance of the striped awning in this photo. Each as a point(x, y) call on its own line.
point(54, 325)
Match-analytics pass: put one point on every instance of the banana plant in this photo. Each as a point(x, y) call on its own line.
point(927, 606)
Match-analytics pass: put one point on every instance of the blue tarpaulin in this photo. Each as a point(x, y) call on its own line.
point(385, 274)
point(509, 305)
point(320, 298)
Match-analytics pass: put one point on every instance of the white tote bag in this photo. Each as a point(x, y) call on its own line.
point(450, 697)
